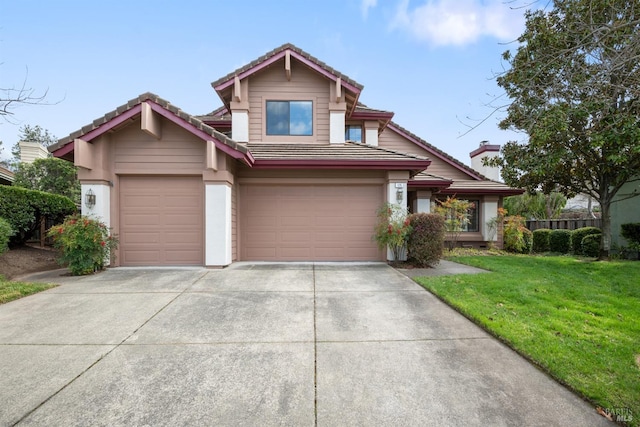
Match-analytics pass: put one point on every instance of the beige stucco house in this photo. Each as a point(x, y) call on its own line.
point(292, 167)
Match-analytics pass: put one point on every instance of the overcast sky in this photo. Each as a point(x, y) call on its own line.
point(432, 62)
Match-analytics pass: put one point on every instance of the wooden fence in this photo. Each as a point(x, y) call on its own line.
point(563, 224)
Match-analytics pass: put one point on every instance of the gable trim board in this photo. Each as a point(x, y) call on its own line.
point(179, 192)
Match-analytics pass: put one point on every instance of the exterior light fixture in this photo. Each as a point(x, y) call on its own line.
point(90, 199)
point(399, 192)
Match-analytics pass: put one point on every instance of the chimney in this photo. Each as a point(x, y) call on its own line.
point(30, 151)
point(486, 150)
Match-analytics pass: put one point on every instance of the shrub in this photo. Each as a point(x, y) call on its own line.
point(5, 233)
point(631, 232)
point(580, 233)
point(456, 217)
point(392, 229)
point(590, 245)
point(541, 240)
point(85, 244)
point(426, 240)
point(517, 238)
point(560, 241)
point(24, 208)
point(527, 236)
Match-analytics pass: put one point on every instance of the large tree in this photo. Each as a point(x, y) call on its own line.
point(51, 175)
point(574, 86)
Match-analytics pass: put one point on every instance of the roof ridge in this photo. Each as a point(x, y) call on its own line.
point(276, 51)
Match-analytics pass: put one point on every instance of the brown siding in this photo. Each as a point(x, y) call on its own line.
point(393, 141)
point(272, 84)
point(178, 152)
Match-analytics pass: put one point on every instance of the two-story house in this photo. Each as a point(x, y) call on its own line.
point(292, 167)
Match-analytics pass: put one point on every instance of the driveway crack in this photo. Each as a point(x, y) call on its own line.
point(315, 353)
point(106, 354)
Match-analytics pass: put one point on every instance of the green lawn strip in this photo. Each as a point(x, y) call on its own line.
point(578, 320)
point(10, 291)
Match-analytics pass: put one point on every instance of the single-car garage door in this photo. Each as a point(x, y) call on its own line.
point(309, 222)
point(161, 220)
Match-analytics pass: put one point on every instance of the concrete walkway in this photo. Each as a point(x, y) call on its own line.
point(262, 344)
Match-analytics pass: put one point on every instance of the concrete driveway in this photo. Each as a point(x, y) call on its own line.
point(262, 344)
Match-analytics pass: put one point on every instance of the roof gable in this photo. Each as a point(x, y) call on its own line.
point(224, 85)
point(164, 108)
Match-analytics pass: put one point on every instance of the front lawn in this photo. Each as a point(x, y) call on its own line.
point(10, 291)
point(578, 320)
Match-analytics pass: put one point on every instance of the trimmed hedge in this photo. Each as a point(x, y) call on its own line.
point(580, 233)
point(24, 208)
point(5, 233)
point(590, 245)
point(631, 232)
point(527, 236)
point(541, 240)
point(426, 240)
point(560, 241)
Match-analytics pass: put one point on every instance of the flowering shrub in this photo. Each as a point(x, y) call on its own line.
point(85, 244)
point(392, 229)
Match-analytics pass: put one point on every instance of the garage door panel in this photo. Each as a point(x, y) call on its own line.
point(309, 222)
point(161, 221)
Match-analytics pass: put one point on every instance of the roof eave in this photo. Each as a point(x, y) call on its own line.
point(413, 165)
point(489, 191)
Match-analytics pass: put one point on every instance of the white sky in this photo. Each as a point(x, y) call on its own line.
point(431, 62)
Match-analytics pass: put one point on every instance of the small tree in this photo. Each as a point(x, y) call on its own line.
point(456, 217)
point(392, 229)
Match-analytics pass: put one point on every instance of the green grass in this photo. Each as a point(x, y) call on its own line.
point(10, 291)
point(578, 320)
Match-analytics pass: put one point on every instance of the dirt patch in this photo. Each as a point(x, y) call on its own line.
point(27, 259)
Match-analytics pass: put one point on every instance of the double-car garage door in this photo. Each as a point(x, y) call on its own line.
point(161, 221)
point(309, 222)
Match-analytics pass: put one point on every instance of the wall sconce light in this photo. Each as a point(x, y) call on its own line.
point(90, 199)
point(399, 192)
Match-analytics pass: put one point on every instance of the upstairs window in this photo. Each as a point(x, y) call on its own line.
point(353, 133)
point(290, 118)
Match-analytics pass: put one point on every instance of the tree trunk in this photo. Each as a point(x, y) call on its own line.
point(605, 243)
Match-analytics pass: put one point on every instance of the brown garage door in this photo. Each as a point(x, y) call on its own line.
point(309, 222)
point(161, 221)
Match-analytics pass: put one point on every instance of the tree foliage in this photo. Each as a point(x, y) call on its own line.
point(537, 205)
point(574, 85)
point(52, 175)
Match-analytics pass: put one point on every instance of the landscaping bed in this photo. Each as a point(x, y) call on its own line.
point(578, 320)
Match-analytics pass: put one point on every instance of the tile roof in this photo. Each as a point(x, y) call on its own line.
point(437, 152)
point(347, 151)
point(192, 120)
point(291, 47)
point(485, 186)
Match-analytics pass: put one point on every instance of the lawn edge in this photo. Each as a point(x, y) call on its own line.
point(502, 340)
